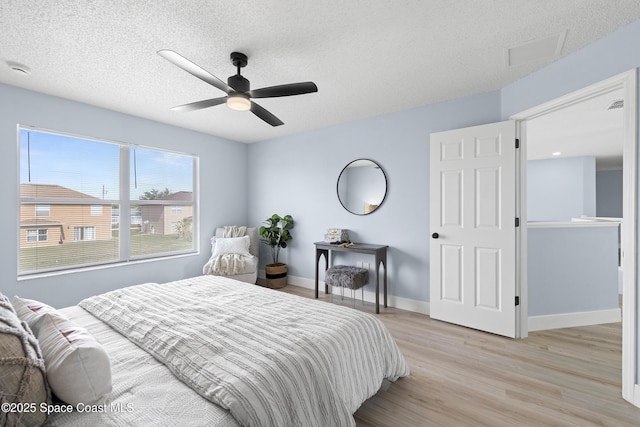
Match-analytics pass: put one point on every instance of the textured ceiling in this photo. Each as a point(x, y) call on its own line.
point(367, 57)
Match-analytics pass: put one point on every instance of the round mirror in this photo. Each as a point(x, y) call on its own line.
point(362, 186)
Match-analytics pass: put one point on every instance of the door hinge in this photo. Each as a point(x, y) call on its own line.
point(517, 143)
point(517, 300)
point(517, 222)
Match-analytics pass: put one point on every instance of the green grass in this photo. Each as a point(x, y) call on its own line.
point(142, 244)
point(97, 251)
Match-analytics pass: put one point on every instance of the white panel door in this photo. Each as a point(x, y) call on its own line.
point(472, 226)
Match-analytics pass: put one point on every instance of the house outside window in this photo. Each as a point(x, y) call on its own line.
point(74, 189)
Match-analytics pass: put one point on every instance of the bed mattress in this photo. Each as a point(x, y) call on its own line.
point(145, 392)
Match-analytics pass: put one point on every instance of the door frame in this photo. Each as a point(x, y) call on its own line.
point(626, 81)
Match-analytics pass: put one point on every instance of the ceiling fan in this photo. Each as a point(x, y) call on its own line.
point(237, 88)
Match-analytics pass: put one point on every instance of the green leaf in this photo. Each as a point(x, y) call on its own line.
point(276, 234)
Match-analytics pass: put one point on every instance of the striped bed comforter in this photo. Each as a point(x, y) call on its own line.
point(270, 358)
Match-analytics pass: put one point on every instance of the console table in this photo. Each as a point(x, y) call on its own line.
point(379, 251)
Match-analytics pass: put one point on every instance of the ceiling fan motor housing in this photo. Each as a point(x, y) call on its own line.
point(238, 83)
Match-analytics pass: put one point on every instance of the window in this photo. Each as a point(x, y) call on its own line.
point(43, 210)
point(96, 210)
point(84, 233)
point(159, 182)
point(41, 235)
point(74, 193)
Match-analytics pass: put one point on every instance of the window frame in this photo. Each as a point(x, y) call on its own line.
point(96, 210)
point(40, 210)
point(81, 232)
point(123, 203)
point(38, 232)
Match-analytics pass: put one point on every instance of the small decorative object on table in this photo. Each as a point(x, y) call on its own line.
point(336, 235)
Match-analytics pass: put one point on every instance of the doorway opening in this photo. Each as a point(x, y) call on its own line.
point(624, 84)
point(574, 211)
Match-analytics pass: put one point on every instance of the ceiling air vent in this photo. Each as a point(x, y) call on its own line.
point(616, 104)
point(538, 50)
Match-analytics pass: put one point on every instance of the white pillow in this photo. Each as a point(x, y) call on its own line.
point(78, 367)
point(232, 245)
point(32, 312)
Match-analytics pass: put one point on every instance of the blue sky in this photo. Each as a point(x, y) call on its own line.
point(91, 167)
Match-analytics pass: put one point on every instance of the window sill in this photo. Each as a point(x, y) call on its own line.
point(27, 277)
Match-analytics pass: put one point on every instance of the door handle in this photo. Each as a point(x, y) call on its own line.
point(435, 235)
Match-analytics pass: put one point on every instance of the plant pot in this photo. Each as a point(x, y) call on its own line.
point(276, 275)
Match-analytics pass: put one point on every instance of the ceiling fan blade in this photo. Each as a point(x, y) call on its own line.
point(191, 68)
point(284, 90)
point(201, 104)
point(265, 115)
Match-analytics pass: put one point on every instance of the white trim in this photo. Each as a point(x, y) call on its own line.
point(97, 267)
point(522, 287)
point(628, 82)
point(571, 320)
point(408, 304)
point(574, 224)
point(536, 323)
point(369, 296)
point(630, 389)
point(593, 91)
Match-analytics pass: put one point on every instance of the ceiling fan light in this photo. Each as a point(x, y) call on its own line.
point(239, 102)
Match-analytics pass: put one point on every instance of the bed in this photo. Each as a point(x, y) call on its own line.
point(214, 351)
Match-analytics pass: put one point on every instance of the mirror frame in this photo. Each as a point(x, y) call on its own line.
point(386, 186)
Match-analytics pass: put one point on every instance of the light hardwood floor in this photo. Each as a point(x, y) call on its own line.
point(463, 377)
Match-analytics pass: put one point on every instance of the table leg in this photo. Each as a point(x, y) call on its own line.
point(326, 267)
point(377, 290)
point(317, 275)
point(384, 264)
point(319, 253)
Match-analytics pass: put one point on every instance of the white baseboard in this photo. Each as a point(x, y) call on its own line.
point(392, 300)
point(535, 323)
point(570, 320)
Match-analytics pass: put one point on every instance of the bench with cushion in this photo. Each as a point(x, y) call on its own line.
point(346, 276)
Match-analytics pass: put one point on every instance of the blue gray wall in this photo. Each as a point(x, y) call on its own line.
point(561, 189)
point(572, 269)
point(305, 186)
point(609, 193)
point(219, 204)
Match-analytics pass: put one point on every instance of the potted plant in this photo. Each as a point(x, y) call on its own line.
point(276, 234)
